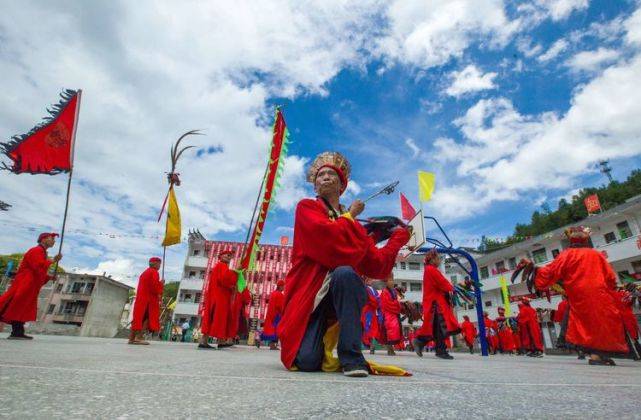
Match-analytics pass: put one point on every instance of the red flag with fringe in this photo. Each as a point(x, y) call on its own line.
point(407, 211)
point(48, 147)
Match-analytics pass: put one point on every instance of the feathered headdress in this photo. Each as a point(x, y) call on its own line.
point(333, 160)
point(578, 234)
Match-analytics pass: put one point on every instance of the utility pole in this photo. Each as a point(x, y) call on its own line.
point(606, 169)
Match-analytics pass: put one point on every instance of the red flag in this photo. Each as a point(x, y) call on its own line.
point(407, 211)
point(48, 147)
point(284, 240)
point(592, 203)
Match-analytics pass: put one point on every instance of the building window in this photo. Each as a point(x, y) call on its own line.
point(89, 288)
point(500, 267)
point(488, 303)
point(404, 285)
point(202, 275)
point(414, 266)
point(196, 252)
point(197, 298)
point(636, 266)
point(187, 297)
point(192, 274)
point(539, 255)
point(484, 273)
point(624, 229)
point(624, 275)
point(511, 263)
point(77, 287)
point(610, 237)
point(51, 309)
point(416, 287)
point(555, 252)
point(403, 266)
point(59, 287)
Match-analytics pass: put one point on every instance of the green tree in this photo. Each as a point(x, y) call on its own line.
point(170, 290)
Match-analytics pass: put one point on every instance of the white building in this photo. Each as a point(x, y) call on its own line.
point(191, 282)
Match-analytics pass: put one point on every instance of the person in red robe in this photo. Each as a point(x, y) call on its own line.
point(439, 321)
point(369, 316)
point(19, 303)
point(595, 323)
point(238, 319)
point(468, 330)
point(504, 332)
point(391, 309)
point(217, 305)
point(516, 336)
point(331, 251)
point(491, 333)
point(146, 313)
point(629, 322)
point(529, 329)
point(274, 315)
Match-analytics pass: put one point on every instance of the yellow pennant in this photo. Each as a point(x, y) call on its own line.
point(172, 230)
point(506, 296)
point(426, 181)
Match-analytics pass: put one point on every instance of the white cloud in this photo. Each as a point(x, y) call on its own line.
point(527, 47)
point(409, 142)
point(562, 9)
point(633, 28)
point(123, 270)
point(558, 47)
point(470, 79)
point(590, 61)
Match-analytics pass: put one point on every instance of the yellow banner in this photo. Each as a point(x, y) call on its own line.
point(506, 296)
point(426, 182)
point(172, 230)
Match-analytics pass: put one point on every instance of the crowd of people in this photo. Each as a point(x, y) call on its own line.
point(328, 301)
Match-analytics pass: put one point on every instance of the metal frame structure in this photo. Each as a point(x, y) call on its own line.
point(449, 249)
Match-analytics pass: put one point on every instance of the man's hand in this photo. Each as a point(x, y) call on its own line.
point(57, 258)
point(356, 208)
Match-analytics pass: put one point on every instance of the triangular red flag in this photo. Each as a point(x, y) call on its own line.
point(407, 211)
point(48, 147)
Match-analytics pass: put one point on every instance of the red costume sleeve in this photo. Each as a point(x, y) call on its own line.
point(36, 260)
point(331, 243)
point(378, 262)
point(228, 278)
point(438, 279)
point(389, 304)
point(552, 273)
point(156, 283)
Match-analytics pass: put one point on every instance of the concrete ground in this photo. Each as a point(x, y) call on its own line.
point(74, 377)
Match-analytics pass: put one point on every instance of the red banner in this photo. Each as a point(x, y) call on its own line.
point(48, 147)
point(592, 203)
point(407, 211)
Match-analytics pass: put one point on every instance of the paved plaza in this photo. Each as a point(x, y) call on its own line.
point(72, 377)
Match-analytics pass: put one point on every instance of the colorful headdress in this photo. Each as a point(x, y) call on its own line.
point(431, 254)
point(333, 160)
point(578, 234)
point(501, 311)
point(226, 252)
point(154, 260)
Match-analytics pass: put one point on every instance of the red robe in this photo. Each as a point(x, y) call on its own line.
point(274, 315)
point(391, 308)
point(529, 328)
point(19, 302)
point(506, 340)
point(222, 284)
point(147, 303)
point(595, 321)
point(320, 245)
point(435, 291)
point(517, 339)
point(369, 317)
point(491, 334)
point(239, 303)
point(629, 319)
point(561, 310)
point(469, 332)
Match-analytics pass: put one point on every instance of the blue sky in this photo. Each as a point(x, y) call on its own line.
point(512, 104)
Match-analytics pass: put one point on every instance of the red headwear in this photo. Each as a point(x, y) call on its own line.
point(154, 260)
point(501, 311)
point(46, 235)
point(465, 317)
point(280, 283)
point(525, 301)
point(432, 253)
point(226, 252)
point(578, 235)
point(333, 160)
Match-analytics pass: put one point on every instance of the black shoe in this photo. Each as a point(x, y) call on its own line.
point(418, 347)
point(206, 346)
point(445, 356)
point(19, 337)
point(372, 350)
point(355, 371)
point(223, 345)
point(601, 362)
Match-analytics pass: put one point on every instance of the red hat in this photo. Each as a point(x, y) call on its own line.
point(154, 260)
point(46, 235)
point(280, 283)
point(465, 317)
point(226, 252)
point(525, 301)
point(501, 311)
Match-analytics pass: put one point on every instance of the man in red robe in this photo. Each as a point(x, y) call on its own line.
point(391, 310)
point(506, 340)
point(146, 313)
point(19, 303)
point(595, 323)
point(369, 316)
point(468, 330)
point(629, 322)
point(439, 321)
point(274, 315)
point(238, 318)
point(491, 333)
point(529, 329)
point(331, 249)
point(217, 305)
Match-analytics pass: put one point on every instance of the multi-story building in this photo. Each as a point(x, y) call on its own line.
point(615, 232)
point(272, 264)
point(93, 303)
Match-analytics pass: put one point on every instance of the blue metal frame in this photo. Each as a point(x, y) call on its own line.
point(472, 272)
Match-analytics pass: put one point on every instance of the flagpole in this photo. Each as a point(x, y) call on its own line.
point(164, 252)
point(72, 154)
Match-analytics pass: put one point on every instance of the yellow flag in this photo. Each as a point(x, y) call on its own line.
point(172, 230)
point(426, 181)
point(506, 296)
